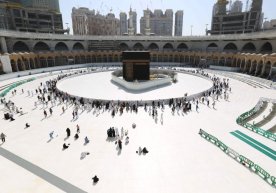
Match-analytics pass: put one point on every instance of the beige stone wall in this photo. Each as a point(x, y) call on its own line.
point(255, 64)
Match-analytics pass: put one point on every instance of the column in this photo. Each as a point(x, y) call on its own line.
point(4, 45)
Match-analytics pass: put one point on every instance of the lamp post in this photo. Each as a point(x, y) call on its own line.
point(206, 28)
point(192, 30)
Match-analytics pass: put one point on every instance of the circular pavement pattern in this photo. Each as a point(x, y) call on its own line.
point(99, 86)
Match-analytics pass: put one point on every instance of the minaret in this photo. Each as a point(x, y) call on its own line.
point(147, 15)
point(130, 25)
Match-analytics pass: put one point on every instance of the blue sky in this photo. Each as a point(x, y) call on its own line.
point(196, 12)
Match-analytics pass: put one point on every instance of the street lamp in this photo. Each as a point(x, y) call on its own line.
point(192, 30)
point(206, 28)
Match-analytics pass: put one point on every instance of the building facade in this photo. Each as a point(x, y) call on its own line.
point(178, 23)
point(236, 7)
point(269, 25)
point(31, 16)
point(123, 23)
point(45, 4)
point(161, 24)
point(87, 22)
point(236, 22)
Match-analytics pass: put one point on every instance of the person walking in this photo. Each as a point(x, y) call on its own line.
point(45, 114)
point(3, 137)
point(51, 111)
point(78, 129)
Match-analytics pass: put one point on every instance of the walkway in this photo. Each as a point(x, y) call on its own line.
point(255, 144)
point(50, 178)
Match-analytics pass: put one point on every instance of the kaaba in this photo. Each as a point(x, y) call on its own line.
point(136, 65)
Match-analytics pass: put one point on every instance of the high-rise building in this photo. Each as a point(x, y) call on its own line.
point(87, 22)
point(178, 23)
point(269, 25)
point(257, 5)
point(236, 7)
point(46, 4)
point(123, 23)
point(160, 23)
point(236, 22)
point(32, 16)
point(80, 20)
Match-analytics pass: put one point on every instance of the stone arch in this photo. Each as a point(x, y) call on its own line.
point(41, 47)
point(253, 67)
point(273, 72)
point(14, 66)
point(222, 61)
point(154, 58)
point(266, 48)
point(70, 60)
point(110, 58)
point(116, 58)
point(138, 46)
point(259, 68)
point(43, 62)
point(182, 47)
point(104, 58)
point(77, 59)
point(212, 47)
point(228, 61)
point(32, 64)
point(61, 46)
point(78, 46)
point(176, 58)
point(168, 47)
point(26, 64)
point(50, 61)
point(20, 65)
point(230, 47)
point(99, 58)
point(82, 59)
point(266, 69)
point(165, 58)
point(238, 62)
point(153, 46)
point(247, 66)
point(249, 47)
point(123, 46)
point(88, 59)
point(242, 65)
point(20, 47)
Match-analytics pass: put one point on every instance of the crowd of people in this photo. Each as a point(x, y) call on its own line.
point(48, 96)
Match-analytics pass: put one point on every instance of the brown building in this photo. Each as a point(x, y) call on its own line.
point(236, 21)
point(88, 22)
point(28, 16)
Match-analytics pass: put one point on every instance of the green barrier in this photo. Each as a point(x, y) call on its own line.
point(242, 159)
point(204, 134)
point(7, 90)
point(222, 146)
point(213, 139)
point(247, 161)
point(240, 120)
point(273, 180)
point(261, 171)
